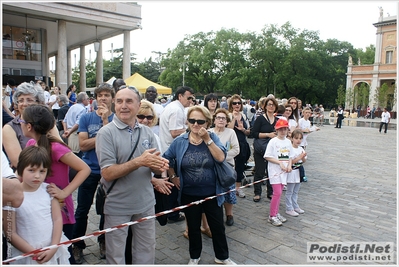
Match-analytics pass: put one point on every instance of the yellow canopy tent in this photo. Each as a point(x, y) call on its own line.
point(142, 84)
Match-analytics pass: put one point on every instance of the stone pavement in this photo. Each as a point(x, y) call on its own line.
point(351, 195)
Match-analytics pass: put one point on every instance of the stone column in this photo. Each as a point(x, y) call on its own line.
point(82, 69)
point(126, 55)
point(99, 64)
point(44, 58)
point(69, 67)
point(61, 69)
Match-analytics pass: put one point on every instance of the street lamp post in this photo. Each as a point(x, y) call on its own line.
point(183, 69)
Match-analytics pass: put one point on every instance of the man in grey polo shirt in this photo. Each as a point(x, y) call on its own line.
point(132, 196)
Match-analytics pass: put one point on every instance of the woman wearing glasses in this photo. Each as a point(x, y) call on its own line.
point(239, 123)
point(263, 131)
point(148, 117)
point(229, 139)
point(196, 152)
point(14, 140)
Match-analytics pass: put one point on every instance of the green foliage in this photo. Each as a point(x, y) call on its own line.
point(366, 57)
point(381, 95)
point(281, 60)
point(341, 95)
point(361, 95)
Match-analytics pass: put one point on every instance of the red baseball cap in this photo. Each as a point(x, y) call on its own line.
point(281, 123)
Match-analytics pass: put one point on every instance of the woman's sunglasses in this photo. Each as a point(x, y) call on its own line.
point(142, 117)
point(236, 103)
point(199, 122)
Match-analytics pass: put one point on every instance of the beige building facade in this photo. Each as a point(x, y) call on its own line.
point(35, 31)
point(384, 69)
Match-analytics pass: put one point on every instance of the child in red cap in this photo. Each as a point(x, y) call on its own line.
point(278, 154)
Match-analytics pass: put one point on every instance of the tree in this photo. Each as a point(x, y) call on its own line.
point(342, 95)
point(381, 96)
point(366, 57)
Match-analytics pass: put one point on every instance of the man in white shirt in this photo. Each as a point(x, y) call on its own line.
point(385, 119)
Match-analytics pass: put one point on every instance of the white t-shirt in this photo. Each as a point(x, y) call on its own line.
point(281, 150)
point(293, 176)
point(46, 97)
point(173, 117)
point(385, 116)
point(52, 99)
point(304, 124)
point(6, 171)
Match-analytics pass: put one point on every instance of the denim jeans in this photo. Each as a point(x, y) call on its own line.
point(86, 193)
point(291, 196)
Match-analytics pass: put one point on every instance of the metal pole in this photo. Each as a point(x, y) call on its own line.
point(184, 69)
point(112, 52)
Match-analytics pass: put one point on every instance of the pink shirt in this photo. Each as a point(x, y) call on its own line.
point(60, 177)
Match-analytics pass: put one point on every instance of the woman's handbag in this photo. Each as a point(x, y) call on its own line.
point(226, 174)
point(101, 195)
point(260, 145)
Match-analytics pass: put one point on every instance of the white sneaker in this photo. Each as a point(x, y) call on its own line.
point(194, 261)
point(292, 213)
point(240, 193)
point(299, 210)
point(227, 261)
point(274, 221)
point(285, 188)
point(281, 218)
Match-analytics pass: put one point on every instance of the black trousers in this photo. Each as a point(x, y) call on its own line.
point(260, 170)
point(339, 122)
point(214, 216)
point(386, 126)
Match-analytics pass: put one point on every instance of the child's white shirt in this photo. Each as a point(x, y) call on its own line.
point(281, 150)
point(293, 176)
point(304, 124)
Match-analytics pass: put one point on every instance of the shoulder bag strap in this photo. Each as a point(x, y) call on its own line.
point(131, 154)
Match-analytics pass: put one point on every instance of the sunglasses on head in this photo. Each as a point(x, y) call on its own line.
point(236, 103)
point(142, 117)
point(199, 122)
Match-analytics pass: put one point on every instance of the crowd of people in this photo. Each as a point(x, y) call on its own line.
point(150, 155)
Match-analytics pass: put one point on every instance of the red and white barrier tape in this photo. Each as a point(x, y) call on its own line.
point(69, 242)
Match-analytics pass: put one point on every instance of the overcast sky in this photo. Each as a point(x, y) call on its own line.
point(166, 23)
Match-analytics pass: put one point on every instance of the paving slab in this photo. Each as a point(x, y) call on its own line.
point(351, 195)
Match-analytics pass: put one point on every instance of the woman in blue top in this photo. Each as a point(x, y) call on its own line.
point(195, 154)
point(71, 94)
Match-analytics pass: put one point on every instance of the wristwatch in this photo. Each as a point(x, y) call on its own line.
point(209, 142)
point(173, 176)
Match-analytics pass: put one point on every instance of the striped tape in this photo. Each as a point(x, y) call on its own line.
point(111, 229)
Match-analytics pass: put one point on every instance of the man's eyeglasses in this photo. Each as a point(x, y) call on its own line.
point(220, 118)
point(236, 103)
point(142, 117)
point(199, 122)
point(190, 98)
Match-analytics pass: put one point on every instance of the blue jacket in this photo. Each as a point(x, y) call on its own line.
point(176, 152)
